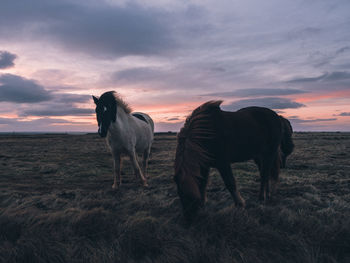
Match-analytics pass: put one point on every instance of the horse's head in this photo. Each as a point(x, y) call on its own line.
point(106, 111)
point(190, 196)
point(187, 179)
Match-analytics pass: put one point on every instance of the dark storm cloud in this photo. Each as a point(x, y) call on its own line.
point(15, 88)
point(270, 102)
point(256, 92)
point(7, 59)
point(98, 29)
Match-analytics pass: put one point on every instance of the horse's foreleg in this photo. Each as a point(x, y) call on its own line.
point(117, 168)
point(137, 169)
point(204, 183)
point(145, 162)
point(230, 182)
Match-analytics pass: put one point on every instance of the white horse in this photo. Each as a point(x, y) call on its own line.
point(127, 133)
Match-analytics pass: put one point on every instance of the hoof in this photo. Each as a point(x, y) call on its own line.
point(239, 201)
point(145, 184)
point(115, 187)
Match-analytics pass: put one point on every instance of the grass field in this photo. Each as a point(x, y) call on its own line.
point(57, 205)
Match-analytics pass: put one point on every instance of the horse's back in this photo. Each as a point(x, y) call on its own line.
point(144, 117)
point(143, 131)
point(249, 132)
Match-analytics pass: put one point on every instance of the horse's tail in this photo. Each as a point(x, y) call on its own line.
point(287, 145)
point(151, 123)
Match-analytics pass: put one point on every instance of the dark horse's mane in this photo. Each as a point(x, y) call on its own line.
point(198, 129)
point(112, 97)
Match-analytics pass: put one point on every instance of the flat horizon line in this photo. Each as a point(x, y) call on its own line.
point(86, 132)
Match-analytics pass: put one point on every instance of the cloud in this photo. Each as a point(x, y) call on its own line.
point(173, 119)
point(317, 124)
point(98, 29)
point(343, 114)
point(66, 111)
point(71, 98)
point(138, 74)
point(342, 50)
point(42, 125)
point(326, 77)
point(298, 120)
point(256, 92)
point(15, 88)
point(269, 102)
point(61, 104)
point(7, 59)
point(46, 121)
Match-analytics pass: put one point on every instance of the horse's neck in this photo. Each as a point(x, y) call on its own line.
point(123, 119)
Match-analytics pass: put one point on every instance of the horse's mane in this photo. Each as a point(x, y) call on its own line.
point(112, 96)
point(193, 138)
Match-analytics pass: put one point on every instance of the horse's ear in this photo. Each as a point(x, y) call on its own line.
point(95, 99)
point(114, 112)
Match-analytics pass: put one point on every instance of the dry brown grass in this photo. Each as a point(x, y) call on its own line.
point(57, 205)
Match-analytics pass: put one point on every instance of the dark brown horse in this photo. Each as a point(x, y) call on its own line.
point(215, 138)
point(287, 145)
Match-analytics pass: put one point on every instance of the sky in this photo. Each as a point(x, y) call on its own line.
point(166, 57)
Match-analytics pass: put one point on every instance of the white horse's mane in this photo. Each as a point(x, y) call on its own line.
point(120, 102)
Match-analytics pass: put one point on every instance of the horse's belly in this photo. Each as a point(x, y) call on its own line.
point(140, 149)
point(244, 152)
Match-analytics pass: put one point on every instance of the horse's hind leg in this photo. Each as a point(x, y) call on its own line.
point(269, 170)
point(262, 167)
point(230, 182)
point(117, 168)
point(137, 169)
point(275, 170)
point(265, 172)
